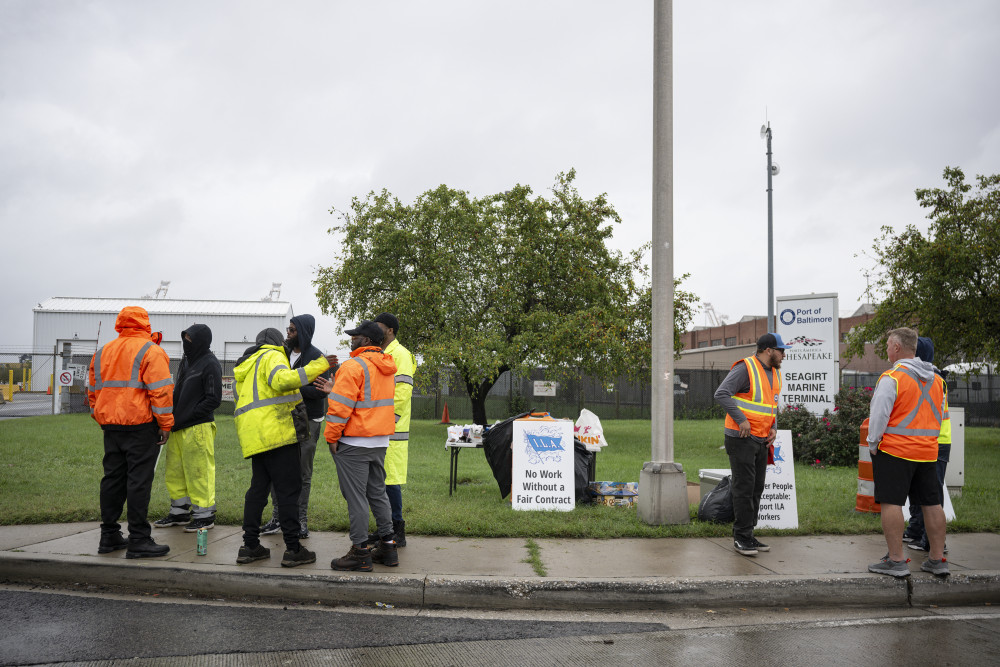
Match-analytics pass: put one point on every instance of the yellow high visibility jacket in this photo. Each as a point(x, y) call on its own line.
point(396, 458)
point(267, 391)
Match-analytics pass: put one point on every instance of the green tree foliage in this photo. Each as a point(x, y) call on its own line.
point(832, 438)
point(945, 283)
point(503, 282)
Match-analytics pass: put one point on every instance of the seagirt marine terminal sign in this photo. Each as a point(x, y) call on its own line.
point(543, 466)
point(810, 324)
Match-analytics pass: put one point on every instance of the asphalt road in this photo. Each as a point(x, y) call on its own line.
point(46, 626)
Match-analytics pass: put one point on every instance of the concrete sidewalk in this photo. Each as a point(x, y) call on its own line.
point(493, 573)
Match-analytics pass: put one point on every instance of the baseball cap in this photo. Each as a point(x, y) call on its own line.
point(389, 320)
point(772, 340)
point(368, 329)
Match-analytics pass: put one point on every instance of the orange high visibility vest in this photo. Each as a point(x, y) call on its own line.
point(915, 421)
point(760, 404)
point(362, 401)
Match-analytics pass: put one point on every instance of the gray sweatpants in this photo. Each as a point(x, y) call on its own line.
point(361, 473)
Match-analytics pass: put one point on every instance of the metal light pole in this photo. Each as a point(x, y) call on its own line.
point(772, 170)
point(662, 484)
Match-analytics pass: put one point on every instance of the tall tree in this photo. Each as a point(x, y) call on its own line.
point(500, 283)
point(945, 283)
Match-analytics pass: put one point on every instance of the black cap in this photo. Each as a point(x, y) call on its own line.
point(368, 329)
point(773, 341)
point(389, 320)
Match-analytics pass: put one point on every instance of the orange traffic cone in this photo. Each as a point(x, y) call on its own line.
point(444, 415)
point(49, 390)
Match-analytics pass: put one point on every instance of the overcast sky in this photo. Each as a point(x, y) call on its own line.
point(206, 142)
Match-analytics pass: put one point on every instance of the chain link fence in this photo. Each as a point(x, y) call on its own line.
point(26, 389)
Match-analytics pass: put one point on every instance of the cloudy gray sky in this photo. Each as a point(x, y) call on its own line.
point(205, 142)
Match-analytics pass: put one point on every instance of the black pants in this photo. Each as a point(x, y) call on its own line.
point(281, 468)
point(129, 462)
point(748, 462)
point(916, 528)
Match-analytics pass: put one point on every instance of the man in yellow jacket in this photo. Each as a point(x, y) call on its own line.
point(130, 393)
point(396, 457)
point(268, 403)
point(359, 421)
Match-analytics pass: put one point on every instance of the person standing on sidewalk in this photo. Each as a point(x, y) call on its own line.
point(268, 407)
point(749, 394)
point(129, 392)
point(190, 467)
point(904, 424)
point(359, 422)
point(396, 457)
point(298, 344)
point(916, 534)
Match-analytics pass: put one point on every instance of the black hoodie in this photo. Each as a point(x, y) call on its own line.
point(198, 386)
point(315, 400)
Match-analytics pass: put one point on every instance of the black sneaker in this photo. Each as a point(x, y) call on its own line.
point(112, 542)
point(173, 520)
point(250, 554)
point(924, 545)
point(198, 524)
point(146, 548)
point(747, 548)
point(304, 534)
point(760, 545)
point(301, 557)
point(272, 527)
point(385, 553)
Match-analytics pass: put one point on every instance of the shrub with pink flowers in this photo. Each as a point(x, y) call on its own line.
point(830, 439)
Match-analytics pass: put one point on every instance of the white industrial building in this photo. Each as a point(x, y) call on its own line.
point(234, 324)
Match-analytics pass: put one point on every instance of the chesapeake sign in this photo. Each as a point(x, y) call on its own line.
point(811, 326)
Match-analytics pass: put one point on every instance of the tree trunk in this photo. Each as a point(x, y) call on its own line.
point(477, 395)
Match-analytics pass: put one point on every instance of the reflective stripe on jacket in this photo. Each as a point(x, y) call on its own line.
point(915, 420)
point(760, 404)
point(129, 381)
point(406, 367)
point(361, 403)
point(267, 391)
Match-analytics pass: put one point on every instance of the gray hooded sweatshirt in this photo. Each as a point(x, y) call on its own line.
point(884, 398)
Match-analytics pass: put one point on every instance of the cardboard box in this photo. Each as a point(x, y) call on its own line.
point(615, 494)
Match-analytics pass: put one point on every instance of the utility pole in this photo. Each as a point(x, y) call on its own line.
point(772, 170)
point(662, 483)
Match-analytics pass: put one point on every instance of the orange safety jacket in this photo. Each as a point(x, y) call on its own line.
point(915, 420)
point(362, 400)
point(129, 380)
point(760, 404)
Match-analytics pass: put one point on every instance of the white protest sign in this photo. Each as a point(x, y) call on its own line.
point(810, 325)
point(543, 466)
point(227, 388)
point(778, 505)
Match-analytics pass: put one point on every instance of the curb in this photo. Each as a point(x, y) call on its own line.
point(236, 582)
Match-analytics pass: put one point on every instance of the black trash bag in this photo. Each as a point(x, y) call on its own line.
point(581, 471)
point(717, 505)
point(496, 446)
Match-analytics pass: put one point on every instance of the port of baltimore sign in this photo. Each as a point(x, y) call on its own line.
point(811, 326)
point(542, 471)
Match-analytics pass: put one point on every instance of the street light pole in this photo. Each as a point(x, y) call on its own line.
point(771, 324)
point(662, 483)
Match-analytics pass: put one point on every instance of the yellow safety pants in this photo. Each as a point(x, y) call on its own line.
point(190, 471)
point(396, 458)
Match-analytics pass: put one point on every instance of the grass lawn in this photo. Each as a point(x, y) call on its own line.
point(50, 470)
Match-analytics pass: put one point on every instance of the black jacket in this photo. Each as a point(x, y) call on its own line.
point(314, 399)
point(198, 386)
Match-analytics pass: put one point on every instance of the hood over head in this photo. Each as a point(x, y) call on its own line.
point(135, 318)
point(269, 336)
point(201, 341)
point(305, 326)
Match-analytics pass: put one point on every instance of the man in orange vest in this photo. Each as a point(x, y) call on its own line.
point(907, 409)
point(130, 393)
point(360, 418)
point(749, 395)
